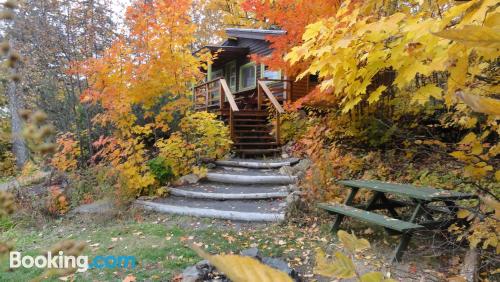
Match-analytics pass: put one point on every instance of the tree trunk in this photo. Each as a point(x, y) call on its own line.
point(18, 145)
point(470, 266)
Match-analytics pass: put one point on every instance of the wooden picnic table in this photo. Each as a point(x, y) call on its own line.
point(419, 201)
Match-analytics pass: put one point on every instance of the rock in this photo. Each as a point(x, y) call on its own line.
point(302, 166)
point(252, 252)
point(281, 265)
point(211, 165)
point(99, 207)
point(292, 198)
point(187, 179)
point(191, 274)
point(287, 170)
point(293, 188)
point(285, 156)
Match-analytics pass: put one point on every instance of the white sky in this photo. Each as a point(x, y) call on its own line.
point(119, 7)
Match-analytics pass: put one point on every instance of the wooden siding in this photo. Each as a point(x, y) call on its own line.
point(302, 87)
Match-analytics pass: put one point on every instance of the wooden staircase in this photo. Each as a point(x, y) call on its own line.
point(252, 134)
point(247, 115)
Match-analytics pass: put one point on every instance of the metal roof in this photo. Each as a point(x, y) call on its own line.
point(253, 33)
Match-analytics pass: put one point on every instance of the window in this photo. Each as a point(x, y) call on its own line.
point(216, 74)
point(231, 75)
point(270, 74)
point(247, 76)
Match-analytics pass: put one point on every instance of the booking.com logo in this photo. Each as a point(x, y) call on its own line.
point(81, 263)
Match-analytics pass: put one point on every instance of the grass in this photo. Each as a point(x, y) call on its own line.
point(160, 244)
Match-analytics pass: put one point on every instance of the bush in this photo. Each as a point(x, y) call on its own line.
point(161, 171)
point(209, 136)
point(201, 136)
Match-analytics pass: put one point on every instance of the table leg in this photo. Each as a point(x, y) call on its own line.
point(405, 238)
point(347, 202)
point(391, 210)
point(376, 196)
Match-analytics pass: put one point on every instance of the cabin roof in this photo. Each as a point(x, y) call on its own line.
point(260, 34)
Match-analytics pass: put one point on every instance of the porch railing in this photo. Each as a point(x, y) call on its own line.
point(212, 95)
point(264, 91)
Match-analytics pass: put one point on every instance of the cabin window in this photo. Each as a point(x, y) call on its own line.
point(217, 74)
point(270, 74)
point(247, 76)
point(231, 75)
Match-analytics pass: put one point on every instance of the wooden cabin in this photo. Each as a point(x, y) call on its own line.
point(244, 93)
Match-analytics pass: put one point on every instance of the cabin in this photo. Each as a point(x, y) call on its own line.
point(245, 94)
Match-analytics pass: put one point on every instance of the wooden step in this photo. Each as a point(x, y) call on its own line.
point(270, 137)
point(257, 151)
point(251, 113)
point(370, 217)
point(251, 125)
point(251, 131)
point(256, 145)
point(249, 120)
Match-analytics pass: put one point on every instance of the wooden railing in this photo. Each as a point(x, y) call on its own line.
point(212, 95)
point(264, 91)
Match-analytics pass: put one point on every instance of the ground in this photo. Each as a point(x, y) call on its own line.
point(161, 245)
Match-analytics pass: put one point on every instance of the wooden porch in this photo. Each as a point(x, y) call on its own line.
point(248, 112)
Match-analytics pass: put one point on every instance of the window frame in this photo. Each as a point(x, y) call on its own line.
point(227, 70)
point(263, 70)
point(248, 65)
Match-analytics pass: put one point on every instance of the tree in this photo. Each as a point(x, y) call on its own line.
point(50, 35)
point(293, 17)
point(142, 81)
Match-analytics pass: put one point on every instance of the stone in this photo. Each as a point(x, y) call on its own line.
point(104, 206)
point(252, 252)
point(211, 165)
point(292, 198)
point(281, 265)
point(302, 166)
point(187, 179)
point(285, 156)
point(191, 274)
point(287, 170)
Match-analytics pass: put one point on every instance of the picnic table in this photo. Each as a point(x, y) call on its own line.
point(429, 208)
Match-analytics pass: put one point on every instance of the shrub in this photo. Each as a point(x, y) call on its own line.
point(161, 171)
point(209, 136)
point(68, 152)
point(201, 137)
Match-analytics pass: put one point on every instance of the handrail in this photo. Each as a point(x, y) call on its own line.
point(229, 95)
point(271, 98)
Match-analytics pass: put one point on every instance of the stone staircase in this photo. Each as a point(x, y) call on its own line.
point(242, 190)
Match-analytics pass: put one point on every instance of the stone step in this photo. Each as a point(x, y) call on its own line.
point(226, 196)
point(249, 163)
point(220, 191)
point(269, 211)
point(250, 179)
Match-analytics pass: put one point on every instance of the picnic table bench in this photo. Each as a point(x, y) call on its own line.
point(423, 215)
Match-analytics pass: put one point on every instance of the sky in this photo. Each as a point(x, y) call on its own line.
point(119, 7)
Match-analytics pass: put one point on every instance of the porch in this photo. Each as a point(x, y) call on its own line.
point(247, 112)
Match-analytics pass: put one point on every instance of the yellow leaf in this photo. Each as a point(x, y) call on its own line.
point(480, 104)
point(497, 175)
point(342, 267)
point(244, 269)
point(375, 95)
point(424, 93)
point(468, 139)
point(473, 36)
point(463, 213)
point(351, 242)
